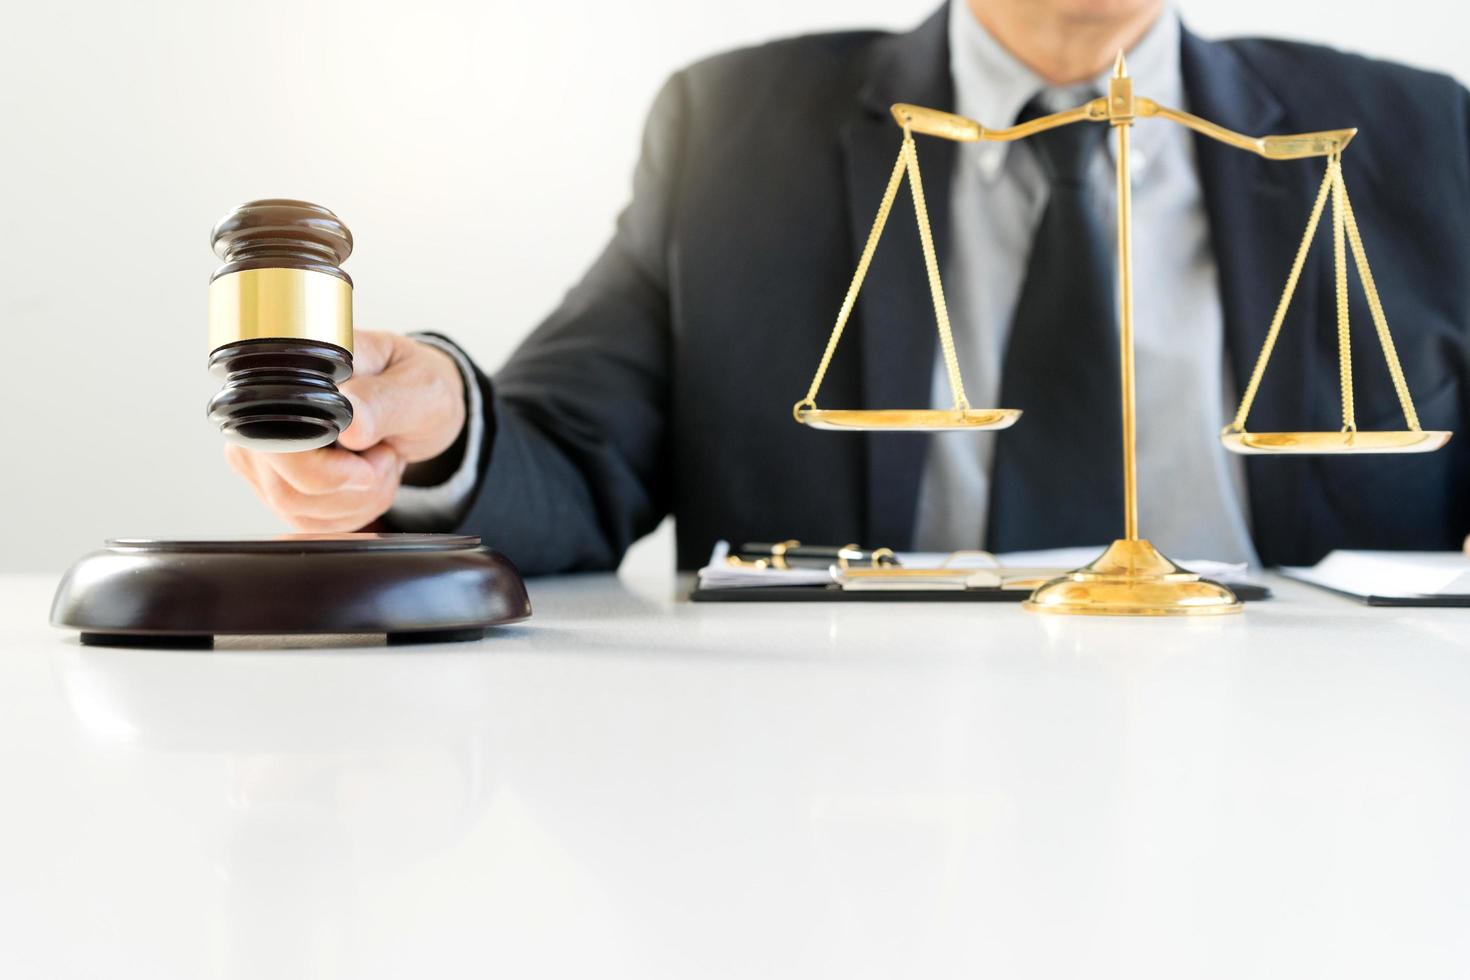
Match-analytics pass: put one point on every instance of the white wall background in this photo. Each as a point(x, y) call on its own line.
point(126, 129)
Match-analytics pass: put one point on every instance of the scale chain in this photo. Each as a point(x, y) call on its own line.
point(1339, 263)
point(876, 232)
point(1344, 233)
point(1375, 306)
point(936, 288)
point(1280, 316)
point(907, 162)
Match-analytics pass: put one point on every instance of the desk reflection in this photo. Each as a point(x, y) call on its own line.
point(642, 803)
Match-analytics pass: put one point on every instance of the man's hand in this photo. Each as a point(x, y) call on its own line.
point(1467, 546)
point(407, 406)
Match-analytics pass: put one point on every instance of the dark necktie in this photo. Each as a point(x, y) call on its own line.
point(1057, 478)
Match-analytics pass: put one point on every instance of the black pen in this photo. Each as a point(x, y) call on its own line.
point(794, 554)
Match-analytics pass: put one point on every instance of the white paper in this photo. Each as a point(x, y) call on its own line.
point(1401, 574)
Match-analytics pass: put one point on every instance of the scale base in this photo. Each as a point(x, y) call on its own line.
point(1132, 578)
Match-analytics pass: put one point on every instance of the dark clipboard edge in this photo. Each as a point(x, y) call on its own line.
point(1247, 591)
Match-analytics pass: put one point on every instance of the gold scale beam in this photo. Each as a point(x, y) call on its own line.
point(1132, 577)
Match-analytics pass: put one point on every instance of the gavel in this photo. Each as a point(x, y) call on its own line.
point(280, 325)
point(280, 335)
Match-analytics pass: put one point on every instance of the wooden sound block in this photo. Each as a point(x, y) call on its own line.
point(416, 588)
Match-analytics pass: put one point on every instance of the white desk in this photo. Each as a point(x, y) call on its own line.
point(633, 786)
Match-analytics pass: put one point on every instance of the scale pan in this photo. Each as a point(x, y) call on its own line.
point(907, 419)
point(1333, 443)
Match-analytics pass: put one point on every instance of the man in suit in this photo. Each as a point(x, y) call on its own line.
point(664, 382)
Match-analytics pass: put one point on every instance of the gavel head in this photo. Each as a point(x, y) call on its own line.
point(280, 325)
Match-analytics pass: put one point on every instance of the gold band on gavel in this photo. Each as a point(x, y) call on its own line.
point(297, 304)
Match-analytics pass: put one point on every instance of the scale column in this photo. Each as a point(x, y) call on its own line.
point(1120, 116)
point(1130, 578)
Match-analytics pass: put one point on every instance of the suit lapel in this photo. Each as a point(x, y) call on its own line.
point(894, 317)
point(1257, 211)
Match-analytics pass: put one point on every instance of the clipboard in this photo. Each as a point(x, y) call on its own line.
point(1247, 591)
point(955, 576)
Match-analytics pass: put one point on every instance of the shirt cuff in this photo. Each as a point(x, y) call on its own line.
point(440, 506)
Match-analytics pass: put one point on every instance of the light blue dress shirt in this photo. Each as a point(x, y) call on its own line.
point(1190, 489)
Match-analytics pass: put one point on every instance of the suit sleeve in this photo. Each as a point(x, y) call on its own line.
point(576, 421)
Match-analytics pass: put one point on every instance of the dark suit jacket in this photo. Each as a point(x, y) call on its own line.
point(664, 382)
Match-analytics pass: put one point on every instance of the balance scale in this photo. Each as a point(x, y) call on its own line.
point(1132, 578)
